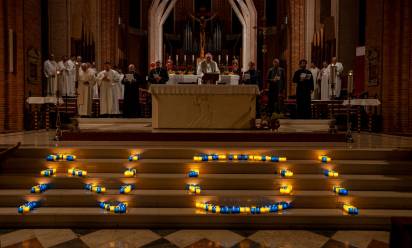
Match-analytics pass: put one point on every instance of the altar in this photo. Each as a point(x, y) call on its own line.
point(203, 106)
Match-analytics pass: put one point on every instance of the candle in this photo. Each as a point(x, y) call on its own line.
point(184, 58)
point(193, 58)
point(177, 59)
point(227, 59)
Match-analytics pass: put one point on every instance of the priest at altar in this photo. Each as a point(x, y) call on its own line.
point(208, 66)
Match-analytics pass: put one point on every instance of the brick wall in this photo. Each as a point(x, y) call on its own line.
point(26, 33)
point(389, 33)
point(32, 40)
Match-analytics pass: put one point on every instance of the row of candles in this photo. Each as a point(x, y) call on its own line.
point(185, 57)
point(120, 207)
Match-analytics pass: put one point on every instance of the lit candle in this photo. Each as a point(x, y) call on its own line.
point(350, 82)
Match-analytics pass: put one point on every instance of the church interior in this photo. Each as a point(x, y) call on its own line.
point(206, 123)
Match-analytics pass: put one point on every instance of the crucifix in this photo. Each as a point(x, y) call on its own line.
point(203, 22)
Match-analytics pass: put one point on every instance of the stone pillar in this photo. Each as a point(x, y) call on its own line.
point(310, 13)
point(334, 11)
point(59, 27)
point(296, 40)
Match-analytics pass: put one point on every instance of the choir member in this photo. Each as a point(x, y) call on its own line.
point(132, 82)
point(86, 82)
point(158, 75)
point(276, 81)
point(304, 80)
point(50, 72)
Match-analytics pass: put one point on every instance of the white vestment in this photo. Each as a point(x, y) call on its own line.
point(109, 102)
point(96, 86)
point(63, 79)
point(86, 81)
point(50, 72)
point(339, 71)
point(71, 70)
point(316, 88)
point(324, 84)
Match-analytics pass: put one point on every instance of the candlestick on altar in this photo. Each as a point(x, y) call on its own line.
point(219, 58)
point(184, 58)
point(227, 59)
point(177, 59)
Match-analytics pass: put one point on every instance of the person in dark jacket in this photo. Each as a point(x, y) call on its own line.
point(132, 81)
point(158, 75)
point(304, 80)
point(276, 82)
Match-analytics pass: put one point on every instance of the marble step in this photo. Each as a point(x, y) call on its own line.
point(182, 199)
point(294, 218)
point(213, 181)
point(187, 152)
point(361, 167)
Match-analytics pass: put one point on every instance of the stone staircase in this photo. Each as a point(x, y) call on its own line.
point(379, 184)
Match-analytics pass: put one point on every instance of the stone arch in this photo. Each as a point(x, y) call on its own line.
point(244, 9)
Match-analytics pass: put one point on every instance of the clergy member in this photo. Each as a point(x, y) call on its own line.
point(50, 72)
point(339, 71)
point(158, 75)
point(276, 85)
point(304, 80)
point(86, 81)
point(208, 66)
point(132, 81)
point(63, 77)
point(107, 79)
point(324, 81)
point(72, 75)
point(315, 71)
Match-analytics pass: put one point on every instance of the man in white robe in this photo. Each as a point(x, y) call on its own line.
point(315, 71)
point(338, 83)
point(50, 72)
point(86, 81)
point(72, 74)
point(324, 82)
point(96, 86)
point(64, 71)
point(107, 80)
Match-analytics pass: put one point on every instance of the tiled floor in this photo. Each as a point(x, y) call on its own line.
point(192, 238)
